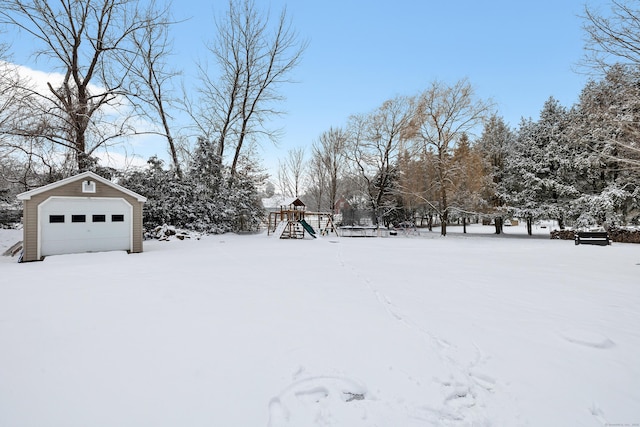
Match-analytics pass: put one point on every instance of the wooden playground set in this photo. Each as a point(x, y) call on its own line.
point(293, 221)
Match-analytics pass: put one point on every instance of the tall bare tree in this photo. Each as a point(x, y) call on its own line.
point(153, 79)
point(255, 58)
point(613, 37)
point(291, 173)
point(318, 179)
point(330, 152)
point(376, 141)
point(443, 114)
point(90, 44)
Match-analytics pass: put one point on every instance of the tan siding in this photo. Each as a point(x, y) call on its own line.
point(137, 226)
point(30, 231)
point(74, 189)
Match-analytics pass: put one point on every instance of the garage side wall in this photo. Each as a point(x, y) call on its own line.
point(74, 189)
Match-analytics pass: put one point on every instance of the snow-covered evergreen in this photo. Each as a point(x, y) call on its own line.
point(207, 199)
point(606, 125)
point(540, 178)
point(576, 165)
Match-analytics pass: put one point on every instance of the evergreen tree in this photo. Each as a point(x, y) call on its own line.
point(495, 145)
point(169, 200)
point(202, 200)
point(540, 178)
point(607, 124)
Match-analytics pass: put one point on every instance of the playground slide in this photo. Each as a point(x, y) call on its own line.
point(309, 228)
point(280, 229)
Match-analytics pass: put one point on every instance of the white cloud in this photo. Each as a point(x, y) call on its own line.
point(127, 152)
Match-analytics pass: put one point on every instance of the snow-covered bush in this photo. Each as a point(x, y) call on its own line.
point(205, 200)
point(606, 209)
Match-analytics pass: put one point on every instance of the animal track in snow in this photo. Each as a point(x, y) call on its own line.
point(597, 412)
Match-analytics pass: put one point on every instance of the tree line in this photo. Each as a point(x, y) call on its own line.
point(441, 154)
point(418, 159)
point(444, 153)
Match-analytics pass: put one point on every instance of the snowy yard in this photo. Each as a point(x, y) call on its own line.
point(254, 331)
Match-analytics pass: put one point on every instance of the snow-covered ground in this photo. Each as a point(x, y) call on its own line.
point(467, 330)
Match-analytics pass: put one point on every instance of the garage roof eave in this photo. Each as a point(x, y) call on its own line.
point(80, 177)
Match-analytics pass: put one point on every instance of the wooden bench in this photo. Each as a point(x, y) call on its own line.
point(592, 238)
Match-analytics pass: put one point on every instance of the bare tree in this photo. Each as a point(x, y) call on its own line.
point(376, 141)
point(613, 48)
point(216, 113)
point(317, 178)
point(613, 38)
point(10, 94)
point(24, 162)
point(469, 180)
point(152, 79)
point(291, 173)
point(254, 58)
point(88, 43)
point(443, 114)
point(416, 184)
point(330, 153)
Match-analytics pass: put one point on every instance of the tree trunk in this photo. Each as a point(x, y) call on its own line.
point(443, 223)
point(172, 145)
point(464, 225)
point(529, 226)
point(445, 210)
point(498, 224)
point(84, 162)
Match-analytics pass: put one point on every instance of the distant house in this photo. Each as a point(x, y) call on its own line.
point(341, 205)
point(83, 213)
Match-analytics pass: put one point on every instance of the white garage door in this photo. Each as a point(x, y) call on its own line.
point(79, 224)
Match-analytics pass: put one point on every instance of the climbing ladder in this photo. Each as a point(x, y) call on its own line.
point(289, 230)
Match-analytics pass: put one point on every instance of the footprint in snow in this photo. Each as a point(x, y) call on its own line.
point(587, 339)
point(461, 396)
point(316, 400)
point(485, 381)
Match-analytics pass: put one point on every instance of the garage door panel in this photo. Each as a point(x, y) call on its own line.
point(95, 234)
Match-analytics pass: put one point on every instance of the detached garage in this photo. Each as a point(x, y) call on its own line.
point(83, 213)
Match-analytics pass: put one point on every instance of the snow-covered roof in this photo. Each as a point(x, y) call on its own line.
point(82, 176)
point(292, 201)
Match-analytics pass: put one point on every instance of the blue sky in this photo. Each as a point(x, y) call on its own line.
point(361, 53)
